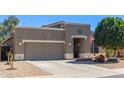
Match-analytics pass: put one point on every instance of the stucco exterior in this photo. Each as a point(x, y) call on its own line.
point(54, 39)
point(25, 35)
point(75, 30)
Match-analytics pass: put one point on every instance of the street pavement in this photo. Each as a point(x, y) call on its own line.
point(115, 76)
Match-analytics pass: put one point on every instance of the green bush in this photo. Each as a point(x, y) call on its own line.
point(108, 53)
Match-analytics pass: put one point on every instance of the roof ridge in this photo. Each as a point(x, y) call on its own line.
point(30, 27)
point(7, 37)
point(59, 22)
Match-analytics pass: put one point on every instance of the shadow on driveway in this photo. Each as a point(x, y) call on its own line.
point(89, 62)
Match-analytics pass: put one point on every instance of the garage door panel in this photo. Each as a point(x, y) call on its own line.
point(41, 51)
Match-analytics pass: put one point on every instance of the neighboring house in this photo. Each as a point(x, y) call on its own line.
point(60, 40)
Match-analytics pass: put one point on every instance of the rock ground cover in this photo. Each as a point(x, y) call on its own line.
point(111, 65)
point(22, 69)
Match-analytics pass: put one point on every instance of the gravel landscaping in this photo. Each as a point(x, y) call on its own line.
point(112, 65)
point(22, 69)
point(107, 64)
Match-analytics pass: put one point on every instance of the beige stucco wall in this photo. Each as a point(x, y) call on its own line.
point(35, 34)
point(72, 30)
point(101, 50)
point(53, 35)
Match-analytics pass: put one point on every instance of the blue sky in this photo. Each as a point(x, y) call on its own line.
point(39, 20)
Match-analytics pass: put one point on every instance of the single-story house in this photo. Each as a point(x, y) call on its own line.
point(60, 40)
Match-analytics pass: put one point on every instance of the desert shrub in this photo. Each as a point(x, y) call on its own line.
point(100, 58)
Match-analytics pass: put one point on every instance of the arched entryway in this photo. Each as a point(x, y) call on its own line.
point(77, 44)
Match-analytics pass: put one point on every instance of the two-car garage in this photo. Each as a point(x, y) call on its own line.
point(43, 50)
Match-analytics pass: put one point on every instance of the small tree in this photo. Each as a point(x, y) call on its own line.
point(9, 26)
point(1, 32)
point(10, 59)
point(6, 28)
point(109, 33)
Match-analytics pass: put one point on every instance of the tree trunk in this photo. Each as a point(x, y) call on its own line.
point(115, 52)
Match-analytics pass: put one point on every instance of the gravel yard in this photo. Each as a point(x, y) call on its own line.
point(23, 69)
point(111, 65)
point(108, 65)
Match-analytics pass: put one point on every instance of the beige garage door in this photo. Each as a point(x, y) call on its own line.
point(42, 51)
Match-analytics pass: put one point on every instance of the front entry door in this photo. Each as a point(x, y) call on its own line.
point(76, 47)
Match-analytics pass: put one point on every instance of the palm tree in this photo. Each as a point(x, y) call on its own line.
point(1, 32)
point(6, 28)
point(10, 23)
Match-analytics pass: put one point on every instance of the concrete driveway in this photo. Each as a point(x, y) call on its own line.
point(71, 69)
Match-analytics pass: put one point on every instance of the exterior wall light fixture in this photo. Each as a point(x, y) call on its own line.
point(69, 44)
point(20, 43)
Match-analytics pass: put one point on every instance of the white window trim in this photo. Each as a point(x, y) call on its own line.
point(43, 41)
point(79, 36)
